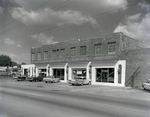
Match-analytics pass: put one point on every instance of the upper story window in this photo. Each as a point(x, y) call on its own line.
point(111, 48)
point(54, 53)
point(98, 49)
point(39, 55)
point(62, 52)
point(33, 56)
point(83, 50)
point(45, 55)
point(73, 51)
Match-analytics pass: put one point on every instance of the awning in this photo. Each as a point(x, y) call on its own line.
point(41, 65)
point(57, 65)
point(104, 63)
point(78, 64)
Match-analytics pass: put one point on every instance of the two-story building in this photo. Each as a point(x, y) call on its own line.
point(105, 60)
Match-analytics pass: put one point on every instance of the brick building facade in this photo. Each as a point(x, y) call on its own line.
point(112, 59)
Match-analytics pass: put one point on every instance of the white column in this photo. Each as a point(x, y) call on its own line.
point(69, 73)
point(51, 71)
point(116, 75)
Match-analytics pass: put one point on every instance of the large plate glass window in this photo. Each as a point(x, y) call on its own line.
point(105, 75)
point(58, 73)
point(78, 73)
point(42, 72)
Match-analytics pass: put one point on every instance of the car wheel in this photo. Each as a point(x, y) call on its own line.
point(89, 83)
point(45, 81)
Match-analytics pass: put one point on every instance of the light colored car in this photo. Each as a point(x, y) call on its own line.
point(51, 79)
point(79, 80)
point(146, 85)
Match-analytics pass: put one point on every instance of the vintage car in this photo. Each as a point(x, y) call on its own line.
point(79, 80)
point(21, 78)
point(51, 79)
point(33, 78)
point(146, 85)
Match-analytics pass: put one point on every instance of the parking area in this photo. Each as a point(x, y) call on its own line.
point(121, 92)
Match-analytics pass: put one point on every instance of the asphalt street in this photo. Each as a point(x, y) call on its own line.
point(38, 99)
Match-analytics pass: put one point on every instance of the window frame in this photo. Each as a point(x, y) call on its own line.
point(39, 56)
point(33, 56)
point(112, 48)
point(83, 50)
point(98, 49)
point(45, 55)
point(73, 51)
point(62, 52)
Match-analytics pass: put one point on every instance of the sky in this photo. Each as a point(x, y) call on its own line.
point(34, 23)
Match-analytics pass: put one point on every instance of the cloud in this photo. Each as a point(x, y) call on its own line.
point(136, 26)
point(9, 41)
point(19, 46)
point(43, 38)
point(134, 17)
point(121, 3)
point(1, 10)
point(49, 16)
point(145, 6)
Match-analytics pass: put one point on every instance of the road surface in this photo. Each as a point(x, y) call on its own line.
point(30, 101)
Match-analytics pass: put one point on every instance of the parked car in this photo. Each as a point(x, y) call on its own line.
point(51, 79)
point(21, 78)
point(146, 85)
point(79, 80)
point(33, 78)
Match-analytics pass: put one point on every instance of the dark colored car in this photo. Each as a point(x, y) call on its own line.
point(21, 78)
point(34, 79)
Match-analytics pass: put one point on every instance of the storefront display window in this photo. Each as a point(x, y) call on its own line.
point(58, 73)
point(105, 75)
point(79, 72)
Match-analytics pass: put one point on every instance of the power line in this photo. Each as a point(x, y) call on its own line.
point(54, 8)
point(98, 15)
point(27, 13)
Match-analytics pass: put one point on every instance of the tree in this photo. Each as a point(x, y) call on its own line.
point(14, 63)
point(5, 60)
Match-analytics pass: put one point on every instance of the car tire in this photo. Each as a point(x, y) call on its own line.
point(89, 83)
